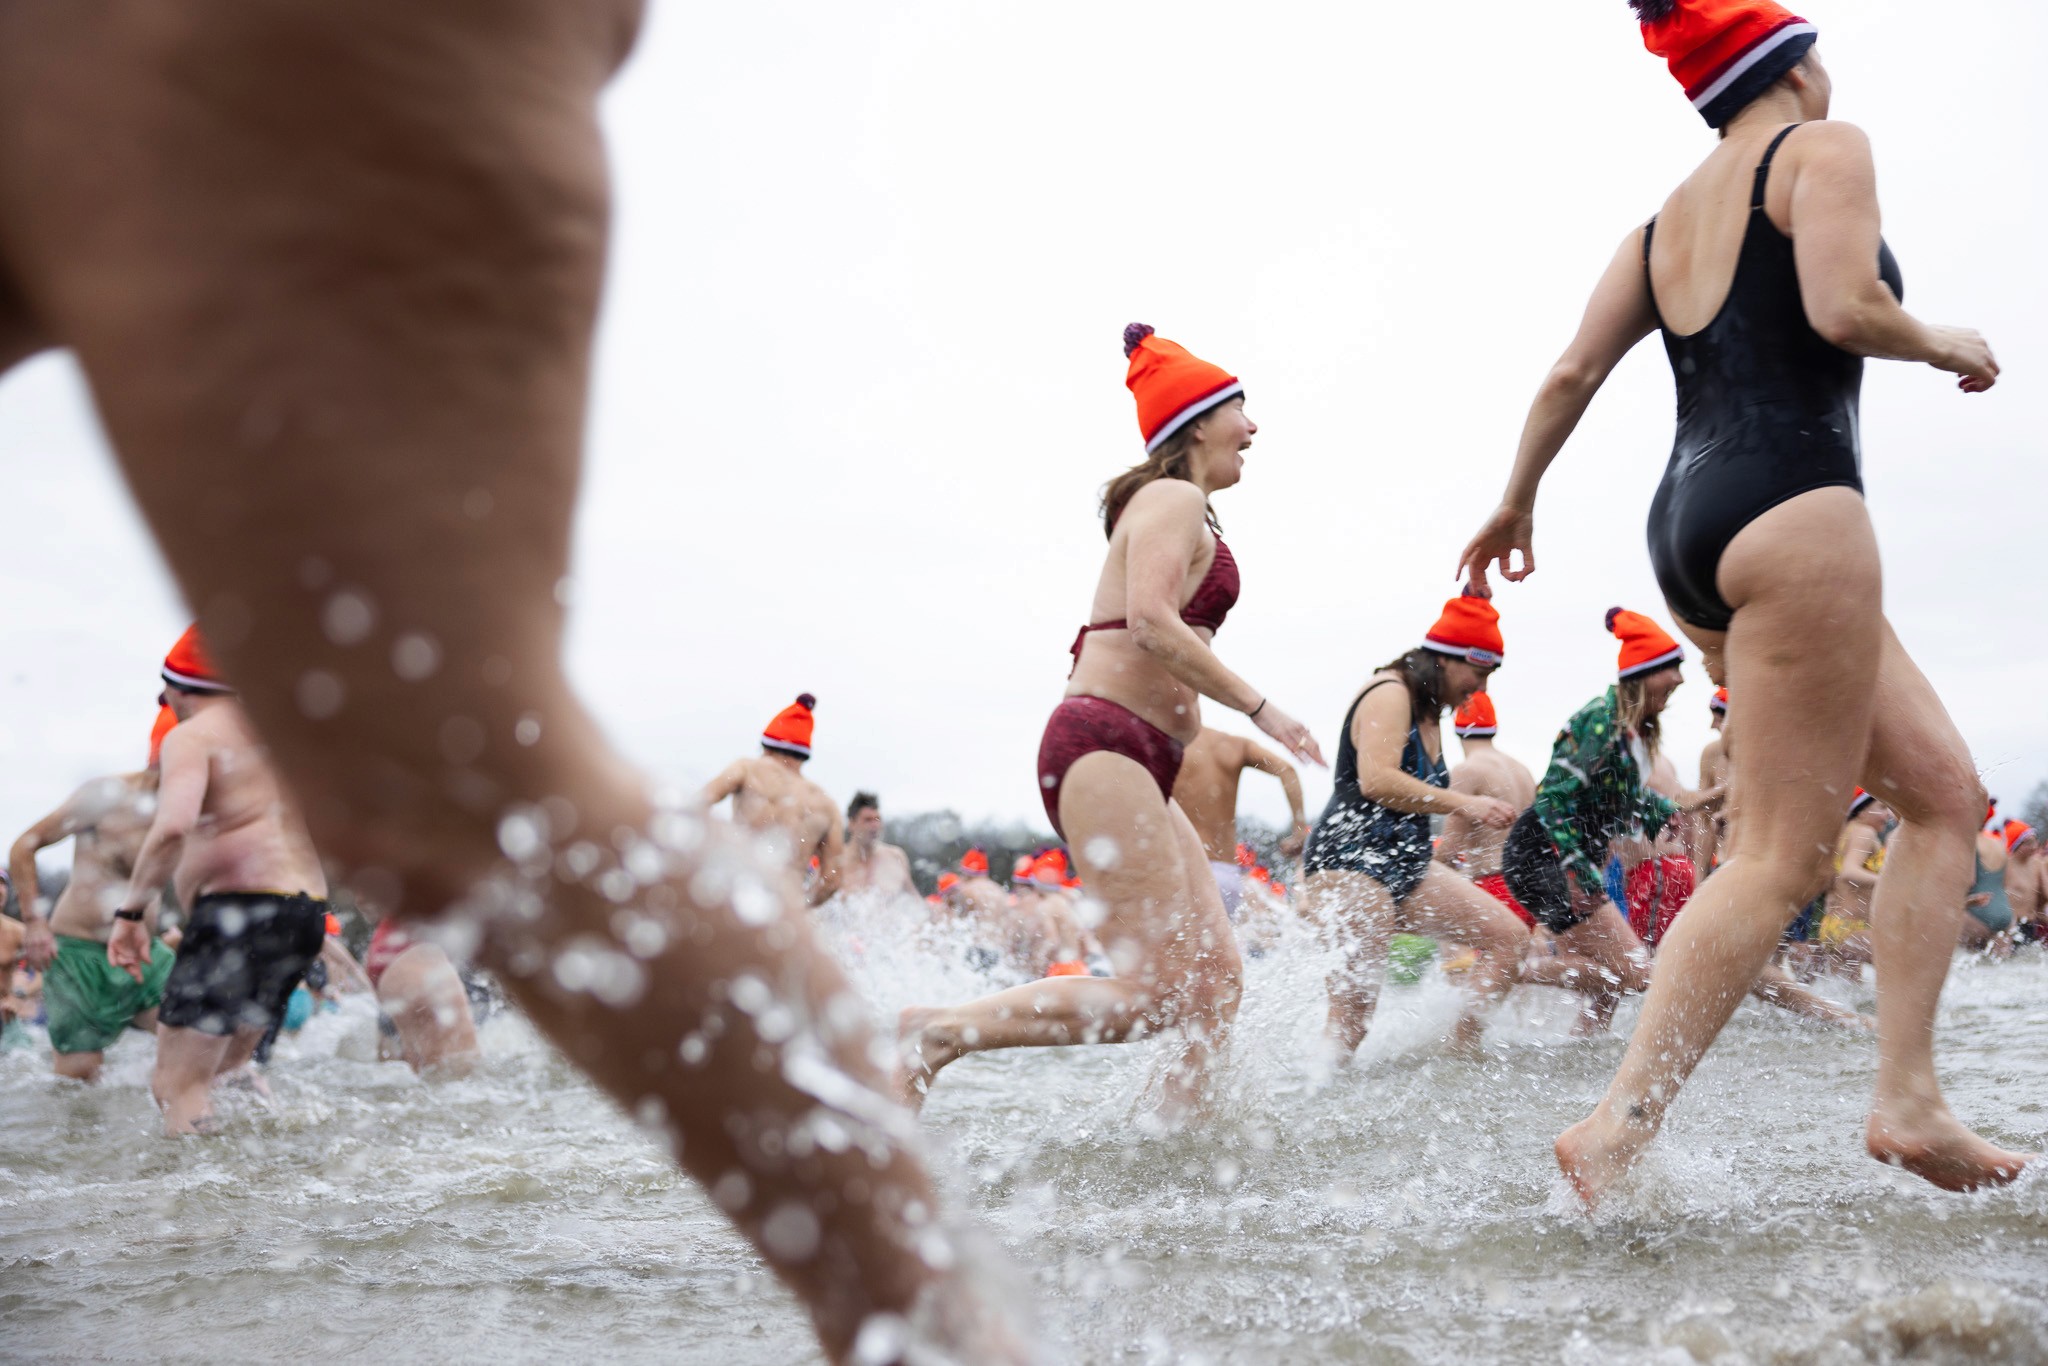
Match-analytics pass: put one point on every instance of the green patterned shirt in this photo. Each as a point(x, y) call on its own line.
point(1593, 791)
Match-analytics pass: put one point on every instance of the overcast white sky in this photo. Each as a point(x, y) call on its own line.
point(860, 378)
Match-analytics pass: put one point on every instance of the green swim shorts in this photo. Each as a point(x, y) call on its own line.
point(89, 1001)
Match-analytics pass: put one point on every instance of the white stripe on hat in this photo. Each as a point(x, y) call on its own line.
point(1471, 654)
point(192, 682)
point(1650, 666)
point(1193, 411)
point(1750, 59)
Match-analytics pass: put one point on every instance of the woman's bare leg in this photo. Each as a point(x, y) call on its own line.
point(1356, 915)
point(1165, 930)
point(1920, 766)
point(1447, 906)
point(1806, 570)
point(1601, 958)
point(332, 268)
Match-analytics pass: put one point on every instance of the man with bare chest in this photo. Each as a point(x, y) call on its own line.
point(1206, 791)
point(771, 797)
point(90, 1002)
point(244, 868)
point(1473, 847)
point(870, 867)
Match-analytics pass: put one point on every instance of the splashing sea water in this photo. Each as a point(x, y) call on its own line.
point(1403, 1209)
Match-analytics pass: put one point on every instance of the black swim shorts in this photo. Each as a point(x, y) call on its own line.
point(1530, 865)
point(242, 955)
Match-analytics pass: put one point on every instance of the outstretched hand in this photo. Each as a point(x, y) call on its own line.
point(1291, 734)
point(1508, 530)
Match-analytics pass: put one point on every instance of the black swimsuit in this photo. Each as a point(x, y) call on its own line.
point(1358, 835)
point(1766, 412)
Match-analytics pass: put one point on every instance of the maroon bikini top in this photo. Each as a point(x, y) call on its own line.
point(1214, 596)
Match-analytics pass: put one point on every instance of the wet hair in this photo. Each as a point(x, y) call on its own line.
point(1422, 671)
point(1169, 461)
point(862, 801)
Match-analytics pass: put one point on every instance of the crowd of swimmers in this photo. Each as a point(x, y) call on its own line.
point(345, 365)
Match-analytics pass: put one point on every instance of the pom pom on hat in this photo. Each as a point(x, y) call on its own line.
point(1469, 629)
point(1475, 720)
point(790, 731)
point(189, 667)
point(1724, 53)
point(1645, 646)
point(1172, 387)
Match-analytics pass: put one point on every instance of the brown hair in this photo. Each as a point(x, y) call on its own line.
point(1634, 706)
point(1168, 461)
point(1422, 673)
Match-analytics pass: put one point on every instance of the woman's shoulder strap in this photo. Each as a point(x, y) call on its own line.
point(1763, 168)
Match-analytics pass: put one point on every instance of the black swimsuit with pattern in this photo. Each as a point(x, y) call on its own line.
point(1767, 410)
point(1358, 835)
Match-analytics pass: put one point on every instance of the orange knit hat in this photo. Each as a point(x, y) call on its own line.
point(2017, 833)
point(1049, 869)
point(790, 731)
point(190, 667)
point(1719, 701)
point(974, 863)
point(947, 882)
point(1469, 629)
point(1860, 803)
point(1724, 52)
point(1475, 720)
point(1172, 387)
point(1645, 648)
point(165, 719)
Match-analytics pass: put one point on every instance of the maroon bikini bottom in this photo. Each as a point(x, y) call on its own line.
point(1083, 725)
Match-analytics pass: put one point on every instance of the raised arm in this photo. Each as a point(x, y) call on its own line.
point(1164, 531)
point(1266, 761)
point(78, 812)
point(1836, 234)
point(180, 797)
point(1619, 315)
point(726, 784)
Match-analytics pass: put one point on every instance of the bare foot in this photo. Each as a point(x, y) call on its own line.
point(923, 1046)
point(1937, 1148)
point(1593, 1154)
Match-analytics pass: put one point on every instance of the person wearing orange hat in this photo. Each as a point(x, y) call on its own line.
point(227, 835)
point(90, 1002)
point(1112, 750)
point(1760, 516)
point(380, 518)
point(1597, 791)
point(1987, 907)
point(1368, 868)
point(2026, 882)
point(1473, 847)
point(1206, 792)
point(795, 819)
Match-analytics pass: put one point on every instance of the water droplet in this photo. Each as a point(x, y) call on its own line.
point(348, 617)
point(415, 656)
point(1102, 851)
point(522, 833)
point(527, 730)
point(791, 1233)
point(462, 740)
point(320, 694)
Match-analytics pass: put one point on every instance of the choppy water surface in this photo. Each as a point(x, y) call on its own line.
point(1404, 1210)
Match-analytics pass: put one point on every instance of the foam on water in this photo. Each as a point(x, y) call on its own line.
point(1404, 1208)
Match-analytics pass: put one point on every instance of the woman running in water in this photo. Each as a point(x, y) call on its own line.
point(1111, 750)
point(1597, 792)
point(1368, 864)
point(1770, 281)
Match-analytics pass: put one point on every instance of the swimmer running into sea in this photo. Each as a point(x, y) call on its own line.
point(89, 1001)
point(1769, 278)
point(1369, 867)
point(1112, 750)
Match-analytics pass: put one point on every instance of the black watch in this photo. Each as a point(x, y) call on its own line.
point(135, 916)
